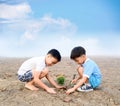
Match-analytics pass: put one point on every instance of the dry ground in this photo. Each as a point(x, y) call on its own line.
point(13, 93)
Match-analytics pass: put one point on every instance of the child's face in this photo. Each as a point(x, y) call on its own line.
point(50, 60)
point(80, 60)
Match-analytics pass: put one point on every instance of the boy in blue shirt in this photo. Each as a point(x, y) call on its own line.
point(89, 73)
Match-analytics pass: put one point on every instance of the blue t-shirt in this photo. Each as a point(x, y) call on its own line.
point(90, 68)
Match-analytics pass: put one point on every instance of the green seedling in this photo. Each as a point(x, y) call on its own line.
point(60, 79)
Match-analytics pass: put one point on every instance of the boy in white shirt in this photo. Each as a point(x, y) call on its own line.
point(34, 69)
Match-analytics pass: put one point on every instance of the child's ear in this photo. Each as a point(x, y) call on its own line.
point(49, 55)
point(83, 55)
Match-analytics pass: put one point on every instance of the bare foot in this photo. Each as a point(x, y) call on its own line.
point(31, 87)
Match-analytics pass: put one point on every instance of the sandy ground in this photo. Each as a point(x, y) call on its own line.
point(13, 93)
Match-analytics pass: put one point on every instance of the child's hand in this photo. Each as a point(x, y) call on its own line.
point(70, 91)
point(73, 81)
point(60, 87)
point(51, 90)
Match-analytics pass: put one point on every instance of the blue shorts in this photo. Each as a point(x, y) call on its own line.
point(26, 77)
point(94, 81)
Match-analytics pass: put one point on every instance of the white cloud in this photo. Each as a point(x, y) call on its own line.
point(92, 45)
point(46, 31)
point(37, 36)
point(45, 26)
point(28, 35)
point(59, 21)
point(13, 12)
point(65, 43)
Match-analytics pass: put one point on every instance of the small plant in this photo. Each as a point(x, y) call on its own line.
point(60, 79)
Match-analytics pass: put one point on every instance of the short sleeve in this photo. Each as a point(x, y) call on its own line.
point(88, 69)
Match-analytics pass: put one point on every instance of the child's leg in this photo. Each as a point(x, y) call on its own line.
point(30, 81)
point(30, 85)
point(94, 81)
point(43, 73)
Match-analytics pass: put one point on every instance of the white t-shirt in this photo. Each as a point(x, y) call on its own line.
point(37, 63)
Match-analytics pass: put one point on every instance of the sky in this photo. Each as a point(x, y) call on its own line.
point(33, 27)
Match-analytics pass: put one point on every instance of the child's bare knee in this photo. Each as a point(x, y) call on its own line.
point(44, 73)
point(45, 70)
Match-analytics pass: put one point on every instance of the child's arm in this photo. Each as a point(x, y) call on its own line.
point(83, 80)
point(50, 79)
point(75, 80)
point(80, 73)
point(41, 84)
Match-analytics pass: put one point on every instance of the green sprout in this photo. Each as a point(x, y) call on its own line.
point(60, 79)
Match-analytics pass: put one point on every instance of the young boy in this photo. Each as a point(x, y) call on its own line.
point(34, 69)
point(89, 73)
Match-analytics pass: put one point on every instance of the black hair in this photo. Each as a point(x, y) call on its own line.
point(55, 53)
point(77, 52)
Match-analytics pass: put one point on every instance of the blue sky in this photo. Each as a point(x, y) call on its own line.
point(32, 27)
